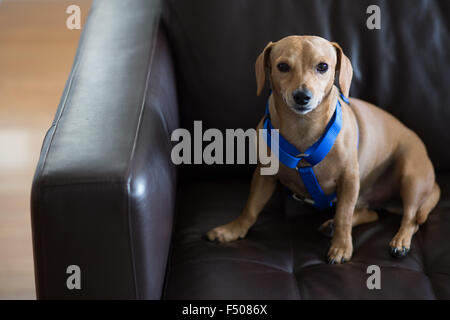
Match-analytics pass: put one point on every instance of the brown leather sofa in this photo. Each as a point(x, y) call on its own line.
point(107, 198)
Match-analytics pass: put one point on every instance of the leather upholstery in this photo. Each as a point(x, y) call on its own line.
point(283, 255)
point(105, 189)
point(97, 199)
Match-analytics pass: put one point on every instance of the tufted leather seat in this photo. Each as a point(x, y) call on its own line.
point(284, 256)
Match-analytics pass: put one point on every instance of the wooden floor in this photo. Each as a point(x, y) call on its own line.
point(36, 54)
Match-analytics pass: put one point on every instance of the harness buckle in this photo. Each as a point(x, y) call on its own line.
point(302, 155)
point(298, 167)
point(303, 199)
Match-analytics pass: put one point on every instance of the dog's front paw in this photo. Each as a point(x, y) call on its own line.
point(228, 232)
point(400, 245)
point(341, 251)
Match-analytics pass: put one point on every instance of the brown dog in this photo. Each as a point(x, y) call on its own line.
point(388, 163)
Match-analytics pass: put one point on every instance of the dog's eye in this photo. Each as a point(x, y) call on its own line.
point(283, 67)
point(322, 67)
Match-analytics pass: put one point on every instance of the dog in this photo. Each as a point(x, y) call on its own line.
point(374, 162)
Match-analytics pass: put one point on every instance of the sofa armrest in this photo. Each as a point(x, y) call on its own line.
point(104, 190)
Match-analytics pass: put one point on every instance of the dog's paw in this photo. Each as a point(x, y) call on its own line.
point(399, 253)
point(227, 233)
point(340, 251)
point(327, 228)
point(400, 245)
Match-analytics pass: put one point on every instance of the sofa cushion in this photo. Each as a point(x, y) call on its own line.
point(284, 256)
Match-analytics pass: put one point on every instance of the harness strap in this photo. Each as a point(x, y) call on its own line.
point(321, 200)
point(291, 157)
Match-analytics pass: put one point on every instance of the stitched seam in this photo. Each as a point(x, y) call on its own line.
point(171, 249)
point(173, 267)
point(297, 285)
point(317, 266)
point(356, 264)
point(130, 161)
point(63, 107)
point(81, 55)
point(431, 285)
point(440, 273)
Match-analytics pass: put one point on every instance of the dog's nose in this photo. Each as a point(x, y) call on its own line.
point(302, 97)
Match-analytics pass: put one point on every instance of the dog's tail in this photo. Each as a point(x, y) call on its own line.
point(428, 205)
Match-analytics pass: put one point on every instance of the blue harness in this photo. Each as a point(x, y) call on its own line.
point(291, 157)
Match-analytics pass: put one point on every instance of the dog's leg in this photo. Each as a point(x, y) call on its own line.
point(360, 216)
point(428, 205)
point(262, 188)
point(401, 243)
point(417, 204)
point(341, 248)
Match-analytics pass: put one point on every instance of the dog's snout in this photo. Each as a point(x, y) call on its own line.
point(302, 97)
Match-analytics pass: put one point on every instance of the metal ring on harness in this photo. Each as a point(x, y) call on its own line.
point(302, 199)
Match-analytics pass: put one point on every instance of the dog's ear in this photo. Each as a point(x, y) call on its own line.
point(262, 65)
point(344, 67)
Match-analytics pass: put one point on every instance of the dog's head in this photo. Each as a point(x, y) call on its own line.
point(302, 70)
